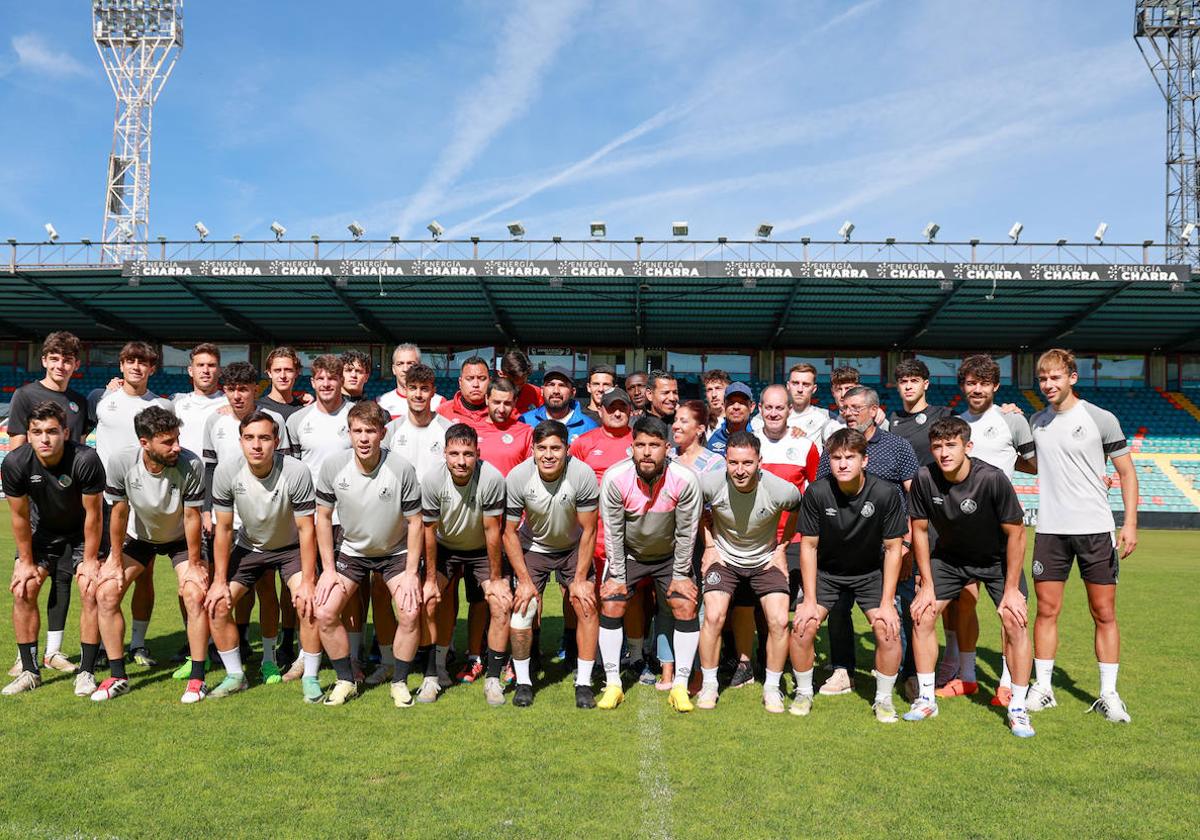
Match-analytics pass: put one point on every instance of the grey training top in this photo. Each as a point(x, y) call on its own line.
point(373, 507)
point(745, 526)
point(156, 502)
point(551, 525)
point(459, 511)
point(268, 507)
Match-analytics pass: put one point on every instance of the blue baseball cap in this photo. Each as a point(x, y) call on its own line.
point(739, 388)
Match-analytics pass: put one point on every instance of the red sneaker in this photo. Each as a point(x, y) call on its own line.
point(110, 688)
point(472, 670)
point(957, 688)
point(1003, 696)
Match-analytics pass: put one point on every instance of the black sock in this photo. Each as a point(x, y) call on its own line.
point(28, 651)
point(571, 644)
point(430, 660)
point(402, 669)
point(59, 602)
point(87, 660)
point(243, 634)
point(495, 663)
point(289, 637)
point(197, 670)
point(116, 667)
point(342, 668)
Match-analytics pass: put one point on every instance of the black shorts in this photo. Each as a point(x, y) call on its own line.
point(61, 554)
point(472, 566)
point(143, 552)
point(562, 564)
point(1054, 554)
point(793, 563)
point(950, 578)
point(359, 569)
point(867, 590)
point(246, 565)
point(761, 580)
point(659, 572)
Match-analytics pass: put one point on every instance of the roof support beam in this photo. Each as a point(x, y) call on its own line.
point(781, 316)
point(16, 330)
point(362, 316)
point(1187, 338)
point(1068, 325)
point(502, 323)
point(230, 316)
point(102, 318)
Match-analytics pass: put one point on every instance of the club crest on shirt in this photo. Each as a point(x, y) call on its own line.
point(991, 432)
point(868, 510)
point(921, 419)
point(64, 481)
point(385, 492)
point(968, 506)
point(74, 406)
point(792, 453)
point(713, 578)
point(506, 438)
point(343, 484)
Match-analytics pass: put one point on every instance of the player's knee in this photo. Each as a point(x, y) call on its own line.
point(613, 609)
point(327, 616)
point(777, 625)
point(524, 620)
point(108, 596)
point(714, 617)
point(684, 610)
point(1104, 613)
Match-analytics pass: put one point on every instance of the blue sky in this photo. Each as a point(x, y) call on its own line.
point(803, 114)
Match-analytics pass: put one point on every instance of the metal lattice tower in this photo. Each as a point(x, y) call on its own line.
point(139, 42)
point(1166, 33)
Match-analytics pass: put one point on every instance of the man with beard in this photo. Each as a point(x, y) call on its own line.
point(558, 391)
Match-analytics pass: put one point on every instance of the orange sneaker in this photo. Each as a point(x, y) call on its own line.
point(1003, 696)
point(957, 688)
point(472, 670)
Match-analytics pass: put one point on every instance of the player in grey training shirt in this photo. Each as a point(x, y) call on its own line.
point(742, 545)
point(156, 492)
point(378, 500)
point(1075, 524)
point(552, 511)
point(462, 503)
point(273, 496)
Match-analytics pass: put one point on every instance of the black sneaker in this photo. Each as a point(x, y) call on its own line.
point(182, 655)
point(585, 698)
point(743, 675)
point(523, 696)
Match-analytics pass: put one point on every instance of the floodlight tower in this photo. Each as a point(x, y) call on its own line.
point(1166, 33)
point(139, 42)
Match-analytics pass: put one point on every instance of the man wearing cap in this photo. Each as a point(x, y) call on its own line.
point(739, 405)
point(558, 391)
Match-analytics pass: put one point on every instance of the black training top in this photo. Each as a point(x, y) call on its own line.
point(29, 395)
point(55, 492)
point(851, 529)
point(285, 410)
point(914, 428)
point(967, 515)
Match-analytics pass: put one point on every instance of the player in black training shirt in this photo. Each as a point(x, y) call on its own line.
point(63, 480)
point(981, 536)
point(852, 524)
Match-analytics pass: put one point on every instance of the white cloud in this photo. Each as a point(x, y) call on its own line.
point(36, 56)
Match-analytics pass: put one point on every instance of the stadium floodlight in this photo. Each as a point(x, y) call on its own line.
point(279, 230)
point(1061, 242)
point(931, 231)
point(1014, 233)
point(85, 241)
point(556, 239)
point(202, 230)
point(845, 230)
point(394, 238)
point(51, 233)
point(516, 230)
point(1100, 231)
point(435, 229)
point(316, 237)
point(891, 240)
point(599, 229)
point(639, 239)
point(764, 230)
point(356, 230)
point(237, 237)
point(1189, 230)
point(679, 228)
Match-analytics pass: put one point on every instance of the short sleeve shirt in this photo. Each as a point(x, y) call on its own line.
point(28, 396)
point(850, 530)
point(422, 446)
point(459, 511)
point(745, 526)
point(55, 492)
point(315, 435)
point(600, 449)
point(913, 426)
point(889, 457)
point(156, 501)
point(999, 438)
point(505, 446)
point(373, 508)
point(811, 422)
point(193, 410)
point(968, 515)
point(550, 508)
point(268, 507)
point(114, 420)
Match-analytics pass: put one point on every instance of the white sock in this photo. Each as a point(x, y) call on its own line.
point(966, 666)
point(950, 655)
point(926, 683)
point(386, 657)
point(138, 638)
point(635, 648)
point(439, 656)
point(610, 654)
point(884, 685)
point(710, 677)
point(355, 644)
point(1005, 676)
point(685, 653)
point(1108, 677)
point(583, 671)
point(521, 669)
point(1019, 693)
point(1044, 669)
point(771, 680)
point(232, 660)
point(312, 663)
point(804, 681)
point(54, 640)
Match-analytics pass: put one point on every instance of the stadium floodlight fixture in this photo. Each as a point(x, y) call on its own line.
point(161, 238)
point(435, 229)
point(356, 230)
point(1061, 242)
point(845, 230)
point(639, 239)
point(598, 229)
point(931, 231)
point(679, 228)
point(1014, 232)
point(316, 237)
point(237, 237)
point(394, 238)
point(12, 241)
point(1146, 243)
point(84, 240)
point(1100, 231)
point(51, 233)
point(891, 240)
point(804, 240)
point(1189, 230)
point(516, 230)
point(475, 240)
point(202, 231)
point(279, 230)
point(721, 240)
point(764, 230)
point(556, 239)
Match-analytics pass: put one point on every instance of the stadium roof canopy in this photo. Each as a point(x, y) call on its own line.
point(679, 294)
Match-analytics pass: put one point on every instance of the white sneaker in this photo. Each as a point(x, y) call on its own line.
point(801, 704)
point(429, 691)
point(839, 682)
point(1040, 698)
point(85, 684)
point(341, 692)
point(1112, 707)
point(1018, 722)
point(922, 709)
point(381, 674)
point(493, 691)
point(59, 662)
point(773, 700)
point(885, 712)
point(296, 670)
point(16, 669)
point(25, 681)
point(401, 696)
point(707, 698)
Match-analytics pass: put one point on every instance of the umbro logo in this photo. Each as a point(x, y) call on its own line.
point(220, 434)
point(135, 483)
point(831, 511)
point(307, 428)
point(937, 500)
point(35, 479)
point(239, 489)
point(401, 440)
